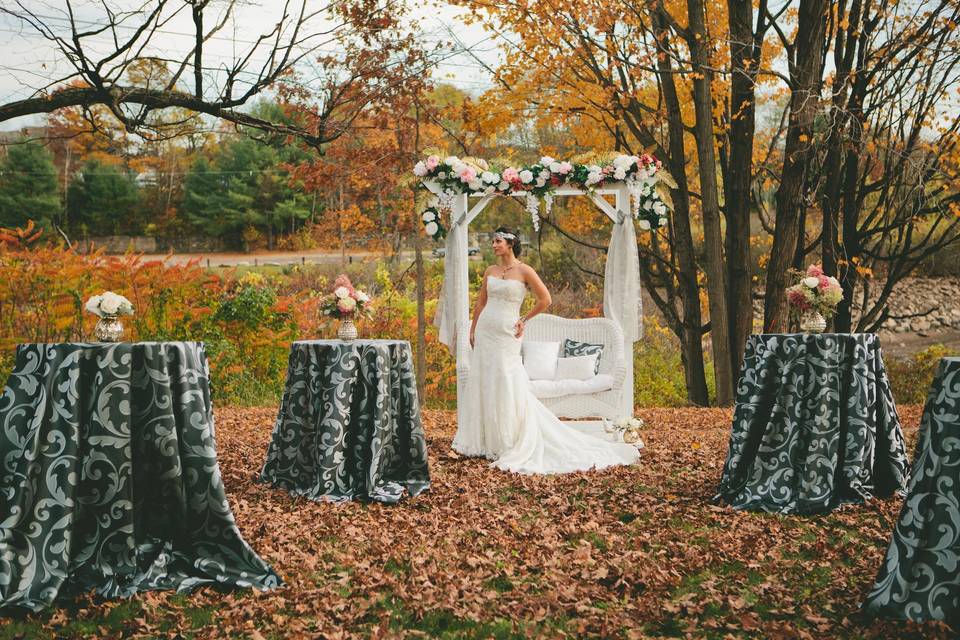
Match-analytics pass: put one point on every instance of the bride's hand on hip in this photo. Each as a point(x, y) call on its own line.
point(519, 328)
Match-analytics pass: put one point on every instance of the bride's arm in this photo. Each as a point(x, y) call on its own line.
point(540, 292)
point(481, 303)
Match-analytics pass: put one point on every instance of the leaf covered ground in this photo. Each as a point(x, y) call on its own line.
point(629, 553)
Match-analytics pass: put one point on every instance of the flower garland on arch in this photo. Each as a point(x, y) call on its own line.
point(643, 175)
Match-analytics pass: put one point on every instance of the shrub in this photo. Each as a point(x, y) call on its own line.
point(658, 371)
point(910, 378)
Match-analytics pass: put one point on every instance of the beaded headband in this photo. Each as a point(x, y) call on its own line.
point(504, 236)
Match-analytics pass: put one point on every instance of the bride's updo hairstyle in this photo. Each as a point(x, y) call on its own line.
point(514, 242)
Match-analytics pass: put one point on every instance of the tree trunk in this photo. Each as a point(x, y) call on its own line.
point(691, 345)
point(343, 249)
point(712, 234)
point(744, 58)
point(805, 77)
point(421, 279)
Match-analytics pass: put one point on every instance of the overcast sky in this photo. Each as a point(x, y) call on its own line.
point(30, 61)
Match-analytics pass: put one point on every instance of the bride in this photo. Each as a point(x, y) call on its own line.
point(502, 419)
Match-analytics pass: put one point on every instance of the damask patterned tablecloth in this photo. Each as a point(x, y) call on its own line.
point(109, 477)
point(815, 425)
point(349, 423)
point(920, 575)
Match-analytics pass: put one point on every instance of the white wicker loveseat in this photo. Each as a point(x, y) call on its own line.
point(603, 403)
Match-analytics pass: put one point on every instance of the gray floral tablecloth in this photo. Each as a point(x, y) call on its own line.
point(815, 425)
point(109, 477)
point(349, 424)
point(920, 575)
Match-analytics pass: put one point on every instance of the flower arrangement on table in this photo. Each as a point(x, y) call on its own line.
point(345, 303)
point(648, 184)
point(108, 306)
point(628, 429)
point(815, 297)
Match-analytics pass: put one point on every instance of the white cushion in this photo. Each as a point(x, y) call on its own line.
point(577, 367)
point(556, 388)
point(540, 359)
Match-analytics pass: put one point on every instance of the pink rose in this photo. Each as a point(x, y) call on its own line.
point(797, 299)
point(824, 281)
point(342, 280)
point(815, 271)
point(565, 168)
point(511, 175)
point(468, 174)
point(432, 162)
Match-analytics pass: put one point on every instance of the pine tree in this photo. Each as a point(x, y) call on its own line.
point(28, 186)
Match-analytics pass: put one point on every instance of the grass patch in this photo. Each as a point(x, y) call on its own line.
point(443, 624)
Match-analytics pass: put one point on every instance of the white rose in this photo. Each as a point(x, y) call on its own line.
point(341, 292)
point(490, 189)
point(442, 175)
point(490, 177)
point(110, 303)
point(431, 228)
point(645, 225)
point(594, 178)
point(362, 297)
point(663, 222)
point(546, 161)
point(451, 160)
point(541, 181)
point(811, 282)
point(503, 186)
point(526, 176)
point(594, 168)
point(619, 174)
point(429, 216)
point(475, 185)
point(659, 208)
point(93, 305)
point(420, 169)
point(555, 167)
point(624, 161)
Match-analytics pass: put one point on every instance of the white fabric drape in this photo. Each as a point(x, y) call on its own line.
point(452, 308)
point(621, 281)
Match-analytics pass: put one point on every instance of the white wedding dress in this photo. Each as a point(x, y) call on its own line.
point(502, 419)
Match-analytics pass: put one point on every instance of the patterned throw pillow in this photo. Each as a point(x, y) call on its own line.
point(574, 348)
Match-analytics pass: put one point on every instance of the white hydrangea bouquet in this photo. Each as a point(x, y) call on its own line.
point(109, 304)
point(628, 429)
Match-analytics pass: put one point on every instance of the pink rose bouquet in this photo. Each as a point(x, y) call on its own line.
point(815, 291)
point(345, 301)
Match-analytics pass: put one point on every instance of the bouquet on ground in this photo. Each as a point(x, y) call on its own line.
point(628, 429)
point(814, 292)
point(346, 301)
point(109, 305)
